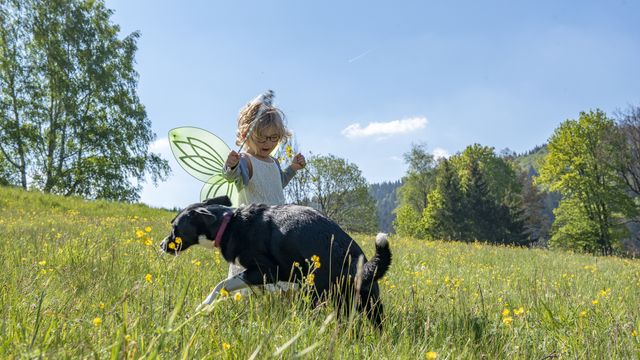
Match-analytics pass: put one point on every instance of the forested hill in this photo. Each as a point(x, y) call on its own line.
point(386, 201)
point(530, 161)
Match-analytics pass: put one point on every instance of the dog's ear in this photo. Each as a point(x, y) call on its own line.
point(219, 200)
point(204, 211)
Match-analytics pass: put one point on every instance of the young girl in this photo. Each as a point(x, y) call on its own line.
point(256, 173)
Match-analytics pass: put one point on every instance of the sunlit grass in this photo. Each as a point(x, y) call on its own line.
point(85, 279)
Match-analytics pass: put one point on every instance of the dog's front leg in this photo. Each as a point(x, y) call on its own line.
point(231, 284)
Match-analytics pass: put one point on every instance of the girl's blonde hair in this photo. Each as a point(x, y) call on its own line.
point(270, 118)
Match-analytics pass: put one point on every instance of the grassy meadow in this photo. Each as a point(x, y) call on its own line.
point(86, 279)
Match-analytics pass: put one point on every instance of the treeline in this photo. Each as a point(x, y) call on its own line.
point(474, 195)
point(590, 168)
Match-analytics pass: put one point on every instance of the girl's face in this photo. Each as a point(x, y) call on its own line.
point(262, 144)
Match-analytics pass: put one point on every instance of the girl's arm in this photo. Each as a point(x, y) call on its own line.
point(239, 174)
point(298, 163)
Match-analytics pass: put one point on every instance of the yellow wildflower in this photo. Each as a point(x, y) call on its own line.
point(172, 246)
point(196, 262)
point(101, 305)
point(311, 279)
point(582, 314)
point(594, 302)
point(42, 263)
point(147, 229)
point(634, 333)
point(237, 296)
point(149, 278)
point(296, 264)
point(148, 241)
point(507, 320)
point(224, 292)
point(226, 346)
point(505, 312)
point(178, 240)
point(97, 322)
point(139, 233)
point(431, 355)
point(519, 311)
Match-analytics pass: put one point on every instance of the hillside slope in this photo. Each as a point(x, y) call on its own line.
point(86, 279)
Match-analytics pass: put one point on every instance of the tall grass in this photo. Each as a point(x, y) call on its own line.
point(87, 279)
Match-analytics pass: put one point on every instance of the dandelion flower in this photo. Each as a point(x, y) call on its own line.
point(42, 263)
point(226, 346)
point(101, 305)
point(172, 246)
point(431, 355)
point(634, 333)
point(139, 233)
point(237, 296)
point(594, 302)
point(148, 242)
point(582, 314)
point(224, 292)
point(507, 320)
point(178, 240)
point(506, 312)
point(97, 322)
point(147, 229)
point(149, 278)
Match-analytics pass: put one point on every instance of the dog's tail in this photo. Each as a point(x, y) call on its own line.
point(375, 268)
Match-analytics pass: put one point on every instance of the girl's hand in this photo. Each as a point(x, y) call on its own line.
point(298, 162)
point(232, 159)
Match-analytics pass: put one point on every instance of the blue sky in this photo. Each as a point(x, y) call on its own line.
point(363, 80)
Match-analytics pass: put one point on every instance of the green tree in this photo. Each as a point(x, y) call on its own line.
point(500, 175)
point(413, 195)
point(581, 165)
point(340, 191)
point(444, 217)
point(420, 178)
point(70, 119)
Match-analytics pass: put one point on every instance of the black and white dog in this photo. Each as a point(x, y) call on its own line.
point(278, 243)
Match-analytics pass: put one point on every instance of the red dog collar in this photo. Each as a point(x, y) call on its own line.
point(225, 221)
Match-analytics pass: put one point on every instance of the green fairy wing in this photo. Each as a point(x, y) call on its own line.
point(203, 154)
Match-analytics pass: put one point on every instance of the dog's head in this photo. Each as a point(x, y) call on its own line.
point(197, 224)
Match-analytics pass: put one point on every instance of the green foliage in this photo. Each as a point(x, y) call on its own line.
point(581, 167)
point(408, 221)
point(338, 189)
point(475, 196)
point(419, 180)
point(70, 119)
point(500, 176)
point(444, 217)
point(85, 279)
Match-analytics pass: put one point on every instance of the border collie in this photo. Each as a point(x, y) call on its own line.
point(284, 243)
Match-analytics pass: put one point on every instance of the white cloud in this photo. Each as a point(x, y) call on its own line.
point(440, 153)
point(160, 146)
point(385, 129)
